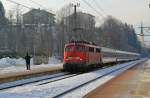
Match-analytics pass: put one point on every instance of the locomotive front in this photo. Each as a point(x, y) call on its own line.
point(74, 57)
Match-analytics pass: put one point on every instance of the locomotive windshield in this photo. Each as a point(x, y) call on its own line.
point(75, 48)
point(80, 48)
point(69, 49)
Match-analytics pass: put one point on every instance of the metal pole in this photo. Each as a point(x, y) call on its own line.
point(75, 20)
point(142, 34)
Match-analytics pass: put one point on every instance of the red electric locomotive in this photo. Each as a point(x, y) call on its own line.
point(81, 55)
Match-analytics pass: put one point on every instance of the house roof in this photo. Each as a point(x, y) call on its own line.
point(39, 11)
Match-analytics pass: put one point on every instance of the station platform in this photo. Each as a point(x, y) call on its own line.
point(133, 83)
point(12, 76)
point(143, 87)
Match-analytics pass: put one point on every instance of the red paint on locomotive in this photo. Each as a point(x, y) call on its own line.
point(82, 52)
point(74, 53)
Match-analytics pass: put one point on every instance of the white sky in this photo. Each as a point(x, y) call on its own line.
point(130, 11)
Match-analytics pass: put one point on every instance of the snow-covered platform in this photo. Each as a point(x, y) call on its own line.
point(10, 76)
point(12, 69)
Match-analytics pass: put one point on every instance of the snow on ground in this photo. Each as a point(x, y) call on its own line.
point(7, 62)
point(42, 79)
point(15, 65)
point(81, 92)
point(53, 60)
point(52, 89)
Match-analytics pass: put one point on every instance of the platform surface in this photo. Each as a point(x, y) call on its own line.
point(13, 75)
point(133, 83)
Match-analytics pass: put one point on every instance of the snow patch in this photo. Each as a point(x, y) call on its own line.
point(6, 62)
point(53, 60)
point(15, 65)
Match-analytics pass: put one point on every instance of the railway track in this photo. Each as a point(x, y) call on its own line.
point(47, 78)
point(115, 71)
point(66, 86)
point(40, 80)
point(57, 79)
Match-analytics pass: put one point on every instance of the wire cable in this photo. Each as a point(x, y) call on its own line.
point(44, 8)
point(20, 4)
point(38, 4)
point(93, 8)
point(98, 6)
point(87, 12)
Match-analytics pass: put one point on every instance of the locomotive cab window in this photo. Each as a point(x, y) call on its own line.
point(69, 49)
point(80, 48)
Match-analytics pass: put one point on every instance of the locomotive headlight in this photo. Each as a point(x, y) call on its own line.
point(69, 58)
point(81, 59)
point(77, 57)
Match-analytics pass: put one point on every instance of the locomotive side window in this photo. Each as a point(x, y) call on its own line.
point(91, 49)
point(98, 50)
point(69, 49)
point(80, 48)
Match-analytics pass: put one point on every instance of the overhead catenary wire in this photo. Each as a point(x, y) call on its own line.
point(98, 6)
point(20, 4)
point(40, 5)
point(30, 8)
point(87, 12)
point(93, 8)
point(36, 3)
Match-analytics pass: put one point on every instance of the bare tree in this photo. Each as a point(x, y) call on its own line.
point(61, 26)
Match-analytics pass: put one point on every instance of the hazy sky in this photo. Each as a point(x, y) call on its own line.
point(130, 11)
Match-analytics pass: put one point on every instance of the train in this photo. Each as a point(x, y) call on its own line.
point(82, 56)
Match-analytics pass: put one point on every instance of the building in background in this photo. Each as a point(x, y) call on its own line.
point(37, 16)
point(38, 28)
point(82, 27)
